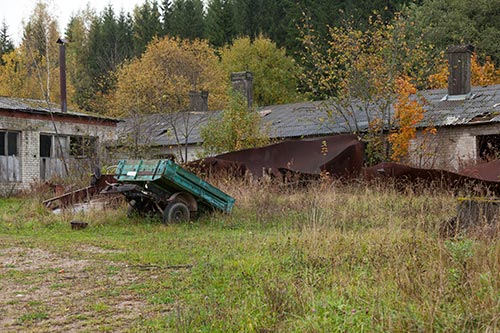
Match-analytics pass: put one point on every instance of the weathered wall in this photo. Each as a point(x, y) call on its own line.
point(30, 129)
point(156, 152)
point(451, 148)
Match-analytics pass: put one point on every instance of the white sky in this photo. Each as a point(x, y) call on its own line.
point(15, 12)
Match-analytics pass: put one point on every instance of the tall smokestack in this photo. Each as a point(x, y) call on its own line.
point(62, 73)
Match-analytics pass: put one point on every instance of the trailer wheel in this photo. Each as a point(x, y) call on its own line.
point(131, 211)
point(175, 212)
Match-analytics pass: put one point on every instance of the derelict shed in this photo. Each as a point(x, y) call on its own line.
point(468, 130)
point(467, 118)
point(38, 141)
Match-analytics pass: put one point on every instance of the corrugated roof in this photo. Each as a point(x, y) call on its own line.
point(483, 102)
point(41, 107)
point(312, 118)
point(157, 129)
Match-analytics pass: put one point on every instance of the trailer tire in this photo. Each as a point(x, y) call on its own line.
point(132, 209)
point(131, 212)
point(175, 212)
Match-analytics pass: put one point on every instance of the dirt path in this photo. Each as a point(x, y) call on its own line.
point(42, 291)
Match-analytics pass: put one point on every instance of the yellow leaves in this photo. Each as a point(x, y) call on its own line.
point(430, 130)
point(408, 112)
point(481, 74)
point(161, 79)
point(440, 78)
point(24, 76)
point(485, 74)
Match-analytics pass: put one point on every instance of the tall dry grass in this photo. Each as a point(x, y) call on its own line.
point(327, 257)
point(372, 255)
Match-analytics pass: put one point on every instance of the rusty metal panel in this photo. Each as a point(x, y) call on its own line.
point(489, 172)
point(338, 156)
point(486, 175)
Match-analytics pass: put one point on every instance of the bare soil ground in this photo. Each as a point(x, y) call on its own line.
point(43, 291)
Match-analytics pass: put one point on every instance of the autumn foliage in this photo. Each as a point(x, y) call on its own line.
point(160, 81)
point(408, 112)
point(482, 74)
point(364, 74)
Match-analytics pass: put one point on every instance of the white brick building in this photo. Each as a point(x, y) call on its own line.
point(39, 142)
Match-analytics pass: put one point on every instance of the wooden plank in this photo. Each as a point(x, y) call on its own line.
point(16, 169)
point(3, 170)
point(51, 167)
point(10, 166)
point(10, 169)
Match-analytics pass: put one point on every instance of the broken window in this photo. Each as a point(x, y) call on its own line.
point(45, 145)
point(489, 147)
point(53, 145)
point(9, 143)
point(82, 146)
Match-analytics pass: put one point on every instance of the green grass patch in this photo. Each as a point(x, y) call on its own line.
point(32, 317)
point(325, 259)
point(100, 307)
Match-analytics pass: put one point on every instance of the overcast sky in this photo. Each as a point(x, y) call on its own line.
point(14, 12)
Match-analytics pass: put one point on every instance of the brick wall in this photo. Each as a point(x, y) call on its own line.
point(451, 148)
point(29, 141)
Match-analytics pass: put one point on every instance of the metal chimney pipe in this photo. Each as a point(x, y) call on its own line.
point(62, 73)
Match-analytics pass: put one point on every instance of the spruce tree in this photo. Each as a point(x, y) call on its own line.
point(188, 19)
point(147, 24)
point(6, 44)
point(166, 17)
point(77, 53)
point(220, 22)
point(248, 16)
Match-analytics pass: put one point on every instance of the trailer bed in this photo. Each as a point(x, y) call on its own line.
point(167, 177)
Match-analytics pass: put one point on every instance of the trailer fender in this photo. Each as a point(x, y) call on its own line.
point(186, 198)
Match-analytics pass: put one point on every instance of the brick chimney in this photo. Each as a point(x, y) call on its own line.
point(198, 101)
point(459, 61)
point(243, 82)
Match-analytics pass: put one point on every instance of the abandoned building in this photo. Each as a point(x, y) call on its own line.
point(466, 119)
point(39, 142)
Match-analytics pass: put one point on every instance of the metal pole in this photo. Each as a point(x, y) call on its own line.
point(62, 73)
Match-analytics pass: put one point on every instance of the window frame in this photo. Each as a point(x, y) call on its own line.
point(7, 139)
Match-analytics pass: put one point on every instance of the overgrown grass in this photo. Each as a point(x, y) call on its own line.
point(328, 258)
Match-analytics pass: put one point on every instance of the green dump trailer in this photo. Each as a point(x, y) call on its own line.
point(165, 188)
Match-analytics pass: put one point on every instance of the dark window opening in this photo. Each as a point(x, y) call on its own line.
point(8, 143)
point(489, 147)
point(2, 143)
point(82, 146)
point(45, 145)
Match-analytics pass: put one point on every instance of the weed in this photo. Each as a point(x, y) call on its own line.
point(57, 286)
point(32, 317)
point(100, 307)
